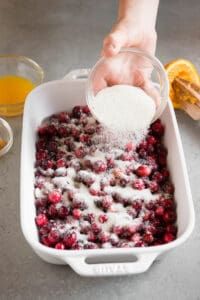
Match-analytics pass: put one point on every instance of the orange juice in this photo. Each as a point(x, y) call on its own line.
point(13, 91)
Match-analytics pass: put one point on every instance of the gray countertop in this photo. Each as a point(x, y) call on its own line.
point(64, 35)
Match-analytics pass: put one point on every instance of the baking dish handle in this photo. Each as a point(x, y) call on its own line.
point(142, 264)
point(78, 74)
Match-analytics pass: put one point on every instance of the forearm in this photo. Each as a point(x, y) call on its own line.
point(139, 11)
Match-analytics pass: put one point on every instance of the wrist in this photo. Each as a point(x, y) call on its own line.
point(142, 13)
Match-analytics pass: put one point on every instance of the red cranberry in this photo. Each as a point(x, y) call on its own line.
point(52, 146)
point(157, 176)
point(123, 182)
point(148, 238)
point(59, 154)
point(41, 210)
point(52, 130)
point(86, 110)
point(80, 152)
point(76, 112)
point(142, 153)
point(104, 237)
point(131, 229)
point(162, 160)
point(150, 205)
point(70, 239)
point(75, 133)
point(91, 236)
point(45, 229)
point(76, 213)
point(139, 244)
point(41, 144)
point(42, 131)
point(103, 218)
point(61, 163)
point(50, 164)
point(137, 205)
point(151, 140)
point(107, 202)
point(90, 217)
point(63, 212)
point(142, 145)
point(84, 227)
point(168, 203)
point(157, 128)
point(171, 229)
point(95, 228)
point(169, 216)
point(143, 171)
point(99, 166)
point(60, 246)
point(138, 184)
point(168, 237)
point(45, 241)
point(93, 192)
point(52, 211)
point(84, 138)
point(63, 117)
point(154, 187)
point(136, 237)
point(63, 131)
point(41, 220)
point(90, 246)
point(41, 154)
point(168, 188)
point(53, 236)
point(78, 246)
point(132, 212)
point(148, 216)
point(41, 203)
point(126, 156)
point(159, 211)
point(54, 197)
point(117, 230)
point(90, 129)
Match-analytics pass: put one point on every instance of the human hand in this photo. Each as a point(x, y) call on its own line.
point(126, 68)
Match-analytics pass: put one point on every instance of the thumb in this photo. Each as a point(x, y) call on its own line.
point(113, 43)
point(121, 36)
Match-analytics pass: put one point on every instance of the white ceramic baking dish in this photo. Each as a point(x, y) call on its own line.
point(55, 96)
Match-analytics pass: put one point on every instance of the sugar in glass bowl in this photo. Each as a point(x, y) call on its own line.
point(141, 62)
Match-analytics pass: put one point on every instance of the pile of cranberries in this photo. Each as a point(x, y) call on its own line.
point(66, 142)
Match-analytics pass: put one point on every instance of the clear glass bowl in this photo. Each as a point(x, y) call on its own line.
point(14, 65)
point(130, 59)
point(6, 134)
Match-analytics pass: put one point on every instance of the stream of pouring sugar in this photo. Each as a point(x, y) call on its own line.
point(125, 113)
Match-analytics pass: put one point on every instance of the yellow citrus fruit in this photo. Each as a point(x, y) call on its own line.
point(184, 69)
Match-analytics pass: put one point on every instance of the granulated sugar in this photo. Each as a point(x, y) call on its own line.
point(125, 111)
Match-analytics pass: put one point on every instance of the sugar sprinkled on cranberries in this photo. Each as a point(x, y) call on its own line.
point(74, 174)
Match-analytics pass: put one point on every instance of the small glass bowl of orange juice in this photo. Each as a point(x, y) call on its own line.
point(18, 76)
